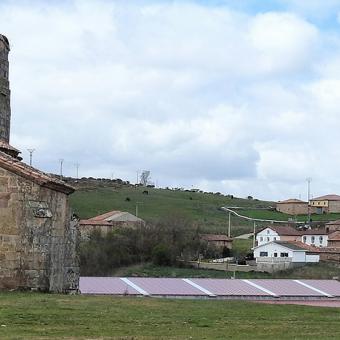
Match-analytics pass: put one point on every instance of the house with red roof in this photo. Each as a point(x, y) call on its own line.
point(109, 221)
point(292, 206)
point(325, 204)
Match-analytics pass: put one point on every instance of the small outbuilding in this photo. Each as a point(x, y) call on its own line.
point(219, 241)
point(108, 222)
point(292, 206)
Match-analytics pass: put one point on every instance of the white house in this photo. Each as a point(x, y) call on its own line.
point(277, 233)
point(284, 251)
point(314, 237)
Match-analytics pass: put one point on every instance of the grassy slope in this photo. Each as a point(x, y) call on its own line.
point(202, 208)
point(32, 315)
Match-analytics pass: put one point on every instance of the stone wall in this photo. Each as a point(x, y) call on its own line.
point(38, 239)
point(334, 206)
point(292, 208)
point(5, 108)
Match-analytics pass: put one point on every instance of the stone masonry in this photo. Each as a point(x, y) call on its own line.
point(5, 107)
point(38, 237)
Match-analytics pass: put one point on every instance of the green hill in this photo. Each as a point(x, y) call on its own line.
point(201, 208)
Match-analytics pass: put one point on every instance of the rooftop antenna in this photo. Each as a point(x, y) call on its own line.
point(61, 160)
point(77, 169)
point(31, 155)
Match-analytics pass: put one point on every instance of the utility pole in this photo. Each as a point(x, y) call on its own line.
point(61, 160)
point(77, 169)
point(309, 179)
point(229, 225)
point(137, 178)
point(137, 207)
point(254, 243)
point(31, 155)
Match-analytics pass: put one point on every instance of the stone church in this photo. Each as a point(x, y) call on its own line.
point(38, 237)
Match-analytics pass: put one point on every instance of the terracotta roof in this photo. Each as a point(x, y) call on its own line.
point(213, 237)
point(283, 230)
point(290, 231)
point(105, 216)
point(320, 231)
point(94, 222)
point(332, 197)
point(334, 236)
point(291, 200)
point(336, 222)
point(21, 169)
point(106, 219)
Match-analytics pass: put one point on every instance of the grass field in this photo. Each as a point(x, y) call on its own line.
point(311, 271)
point(275, 215)
point(200, 208)
point(33, 315)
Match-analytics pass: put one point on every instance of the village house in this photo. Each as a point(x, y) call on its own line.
point(314, 237)
point(219, 241)
point(38, 237)
point(276, 252)
point(108, 222)
point(325, 204)
point(292, 207)
point(332, 226)
point(334, 239)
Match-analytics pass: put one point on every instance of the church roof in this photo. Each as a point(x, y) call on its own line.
point(21, 169)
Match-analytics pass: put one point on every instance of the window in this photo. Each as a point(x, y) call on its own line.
point(268, 231)
point(261, 239)
point(268, 239)
point(263, 253)
point(275, 254)
point(320, 239)
point(313, 239)
point(284, 255)
point(304, 239)
point(274, 238)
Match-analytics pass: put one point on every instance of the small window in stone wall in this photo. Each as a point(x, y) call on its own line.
point(40, 209)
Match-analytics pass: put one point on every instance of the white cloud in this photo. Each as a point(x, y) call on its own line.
point(200, 95)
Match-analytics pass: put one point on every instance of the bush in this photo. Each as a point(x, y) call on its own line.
point(161, 255)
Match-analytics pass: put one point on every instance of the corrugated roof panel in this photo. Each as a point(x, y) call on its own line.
point(165, 286)
point(286, 287)
point(224, 287)
point(331, 287)
point(105, 285)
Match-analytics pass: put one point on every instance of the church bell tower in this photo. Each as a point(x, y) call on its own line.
point(5, 101)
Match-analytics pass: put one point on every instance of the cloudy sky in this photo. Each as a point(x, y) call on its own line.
point(241, 97)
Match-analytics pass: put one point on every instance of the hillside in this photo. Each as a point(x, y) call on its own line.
point(94, 197)
point(201, 208)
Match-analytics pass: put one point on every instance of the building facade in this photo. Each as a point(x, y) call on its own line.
point(108, 222)
point(38, 237)
point(326, 204)
point(313, 237)
point(292, 207)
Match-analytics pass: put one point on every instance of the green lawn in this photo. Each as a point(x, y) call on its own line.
point(33, 315)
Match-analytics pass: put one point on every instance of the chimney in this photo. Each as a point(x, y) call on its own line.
point(5, 102)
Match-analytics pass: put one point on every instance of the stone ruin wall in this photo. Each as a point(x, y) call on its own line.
point(37, 251)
